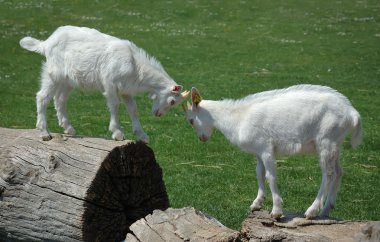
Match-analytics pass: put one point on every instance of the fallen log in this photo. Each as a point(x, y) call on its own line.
point(259, 226)
point(189, 224)
point(178, 225)
point(74, 188)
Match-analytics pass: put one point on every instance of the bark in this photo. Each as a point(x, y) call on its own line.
point(74, 188)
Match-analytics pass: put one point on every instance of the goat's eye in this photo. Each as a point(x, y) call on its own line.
point(172, 102)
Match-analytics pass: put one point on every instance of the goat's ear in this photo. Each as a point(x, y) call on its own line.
point(195, 97)
point(177, 88)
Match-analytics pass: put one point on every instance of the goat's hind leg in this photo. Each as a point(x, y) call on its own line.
point(60, 100)
point(43, 98)
point(326, 155)
point(331, 198)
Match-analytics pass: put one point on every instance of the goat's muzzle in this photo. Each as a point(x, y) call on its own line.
point(203, 138)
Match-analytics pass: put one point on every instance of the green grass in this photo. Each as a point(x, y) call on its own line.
point(226, 49)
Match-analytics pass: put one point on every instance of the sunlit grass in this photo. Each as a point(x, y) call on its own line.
point(228, 49)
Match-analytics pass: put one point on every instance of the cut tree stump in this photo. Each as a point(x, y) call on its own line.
point(74, 189)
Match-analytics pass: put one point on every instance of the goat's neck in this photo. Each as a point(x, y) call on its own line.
point(157, 80)
point(225, 118)
point(151, 77)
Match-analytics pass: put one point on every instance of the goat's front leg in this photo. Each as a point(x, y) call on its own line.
point(260, 174)
point(132, 110)
point(113, 106)
point(270, 174)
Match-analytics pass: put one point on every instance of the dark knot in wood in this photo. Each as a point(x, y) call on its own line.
point(2, 189)
point(128, 186)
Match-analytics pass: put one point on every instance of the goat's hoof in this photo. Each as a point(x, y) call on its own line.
point(276, 213)
point(324, 214)
point(46, 137)
point(141, 136)
point(70, 131)
point(254, 207)
point(309, 217)
point(326, 210)
point(310, 213)
point(118, 136)
point(144, 139)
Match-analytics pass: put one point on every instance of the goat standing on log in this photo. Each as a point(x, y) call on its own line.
point(79, 57)
point(299, 119)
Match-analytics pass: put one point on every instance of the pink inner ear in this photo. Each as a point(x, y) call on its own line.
point(193, 96)
point(177, 88)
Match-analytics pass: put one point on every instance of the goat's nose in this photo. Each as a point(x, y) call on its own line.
point(157, 113)
point(203, 138)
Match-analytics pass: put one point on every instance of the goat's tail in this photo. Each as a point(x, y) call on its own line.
point(32, 44)
point(357, 132)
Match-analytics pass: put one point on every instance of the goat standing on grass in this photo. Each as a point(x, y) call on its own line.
point(299, 119)
point(79, 57)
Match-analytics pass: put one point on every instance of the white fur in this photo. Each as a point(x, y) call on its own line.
point(79, 57)
point(299, 119)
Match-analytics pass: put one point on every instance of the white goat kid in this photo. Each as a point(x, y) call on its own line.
point(79, 57)
point(299, 119)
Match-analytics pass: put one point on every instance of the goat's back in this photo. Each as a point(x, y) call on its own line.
point(71, 35)
point(298, 115)
point(87, 57)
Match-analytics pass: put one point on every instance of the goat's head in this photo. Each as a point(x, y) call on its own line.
point(167, 98)
point(198, 117)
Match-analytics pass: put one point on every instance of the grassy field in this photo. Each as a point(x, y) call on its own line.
point(228, 49)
